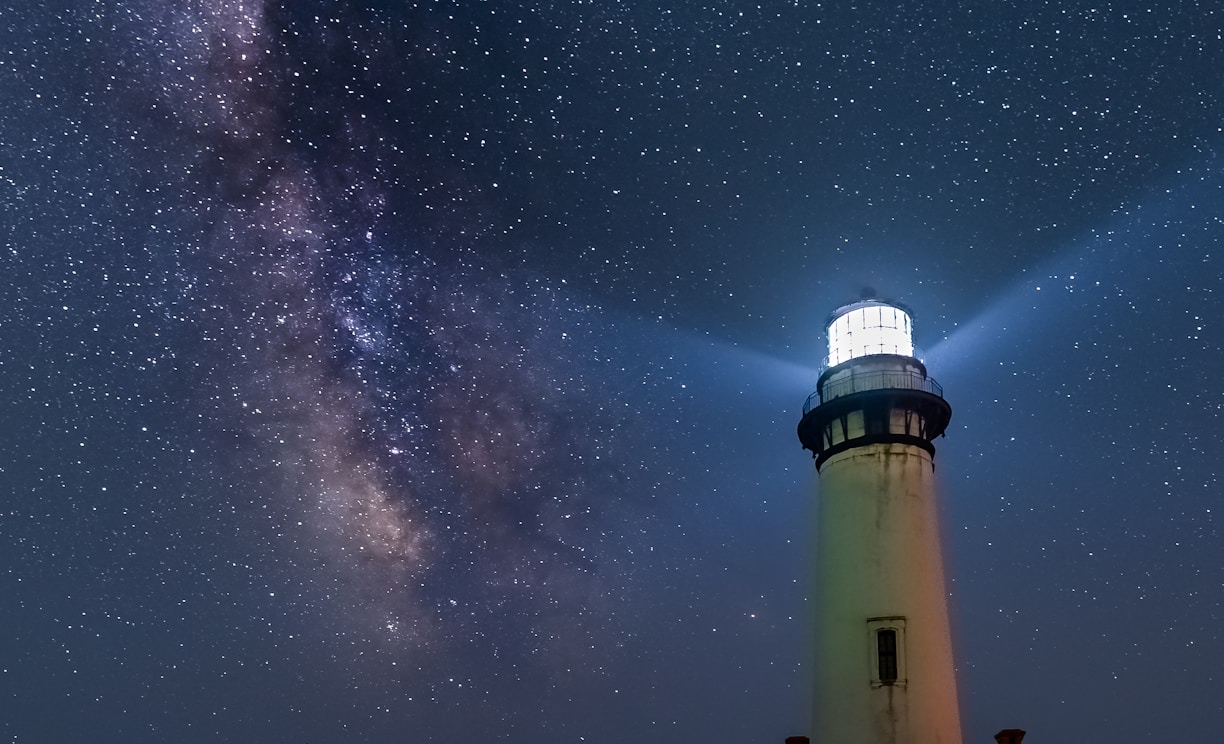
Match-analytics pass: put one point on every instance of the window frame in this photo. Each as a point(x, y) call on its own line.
point(896, 626)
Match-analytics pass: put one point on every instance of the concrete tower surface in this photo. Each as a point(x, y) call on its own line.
point(884, 671)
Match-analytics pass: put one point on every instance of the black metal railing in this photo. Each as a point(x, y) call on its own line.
point(880, 379)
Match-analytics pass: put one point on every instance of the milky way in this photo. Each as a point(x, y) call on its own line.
point(416, 429)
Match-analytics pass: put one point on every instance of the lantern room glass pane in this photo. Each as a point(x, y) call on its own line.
point(866, 329)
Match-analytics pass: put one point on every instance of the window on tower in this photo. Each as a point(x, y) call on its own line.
point(886, 655)
point(876, 420)
point(886, 636)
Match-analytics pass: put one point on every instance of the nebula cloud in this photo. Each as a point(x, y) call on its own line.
point(422, 424)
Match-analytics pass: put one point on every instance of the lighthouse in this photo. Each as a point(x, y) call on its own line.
point(884, 672)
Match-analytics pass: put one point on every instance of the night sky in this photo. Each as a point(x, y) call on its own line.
point(429, 372)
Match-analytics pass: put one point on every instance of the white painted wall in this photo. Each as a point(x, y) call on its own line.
point(879, 560)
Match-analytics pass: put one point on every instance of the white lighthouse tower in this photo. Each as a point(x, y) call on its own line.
point(884, 671)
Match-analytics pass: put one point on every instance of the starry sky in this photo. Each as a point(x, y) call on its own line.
point(429, 371)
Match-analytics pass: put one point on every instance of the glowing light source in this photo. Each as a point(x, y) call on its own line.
point(869, 327)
